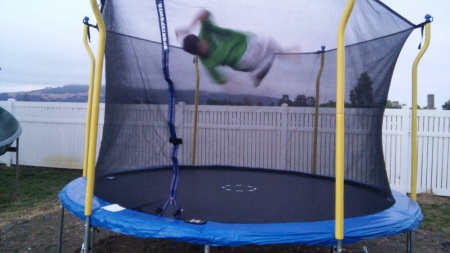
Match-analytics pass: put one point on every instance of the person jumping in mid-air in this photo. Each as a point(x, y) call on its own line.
point(218, 46)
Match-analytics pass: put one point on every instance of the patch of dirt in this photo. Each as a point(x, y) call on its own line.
point(40, 234)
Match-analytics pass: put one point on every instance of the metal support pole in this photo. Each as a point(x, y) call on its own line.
point(340, 125)
point(92, 238)
point(87, 236)
point(194, 132)
point(410, 241)
point(17, 165)
point(207, 249)
point(414, 109)
point(16, 150)
point(316, 110)
point(91, 156)
point(61, 227)
point(90, 94)
point(339, 246)
point(365, 250)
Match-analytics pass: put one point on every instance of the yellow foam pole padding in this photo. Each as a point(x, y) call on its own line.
point(340, 101)
point(414, 112)
point(194, 137)
point(316, 111)
point(95, 108)
point(90, 93)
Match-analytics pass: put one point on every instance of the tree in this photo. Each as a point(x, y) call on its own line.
point(418, 107)
point(285, 100)
point(446, 106)
point(330, 103)
point(393, 104)
point(302, 100)
point(23, 97)
point(311, 101)
point(247, 101)
point(4, 96)
point(362, 94)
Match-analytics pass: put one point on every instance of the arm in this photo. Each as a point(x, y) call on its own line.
point(201, 16)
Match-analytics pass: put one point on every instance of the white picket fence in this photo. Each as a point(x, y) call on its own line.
point(52, 133)
point(53, 136)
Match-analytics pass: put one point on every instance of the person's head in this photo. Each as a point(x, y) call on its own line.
point(193, 45)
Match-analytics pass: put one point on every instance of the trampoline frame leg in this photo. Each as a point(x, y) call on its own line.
point(17, 165)
point(92, 239)
point(16, 150)
point(365, 250)
point(85, 248)
point(410, 240)
point(60, 229)
point(339, 246)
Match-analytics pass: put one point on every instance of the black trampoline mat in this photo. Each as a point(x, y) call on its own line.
point(240, 195)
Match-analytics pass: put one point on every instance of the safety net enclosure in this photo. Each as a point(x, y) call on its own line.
point(135, 132)
point(264, 156)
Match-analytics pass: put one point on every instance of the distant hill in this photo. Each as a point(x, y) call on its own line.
point(66, 93)
point(79, 93)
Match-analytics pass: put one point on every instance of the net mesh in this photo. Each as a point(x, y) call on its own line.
point(271, 126)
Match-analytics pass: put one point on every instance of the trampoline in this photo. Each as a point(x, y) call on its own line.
point(234, 164)
point(229, 206)
point(10, 130)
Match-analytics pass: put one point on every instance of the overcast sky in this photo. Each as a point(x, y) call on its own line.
point(41, 46)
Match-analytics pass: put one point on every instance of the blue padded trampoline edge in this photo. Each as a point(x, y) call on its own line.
point(404, 216)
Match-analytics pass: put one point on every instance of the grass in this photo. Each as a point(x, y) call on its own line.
point(39, 188)
point(436, 213)
point(38, 191)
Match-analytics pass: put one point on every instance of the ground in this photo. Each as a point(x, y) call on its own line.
point(40, 233)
